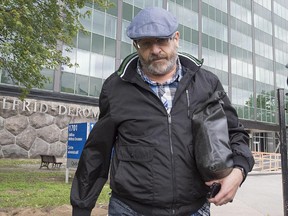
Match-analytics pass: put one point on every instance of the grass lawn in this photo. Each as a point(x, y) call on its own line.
point(23, 184)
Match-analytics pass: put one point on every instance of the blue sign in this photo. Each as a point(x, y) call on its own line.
point(77, 136)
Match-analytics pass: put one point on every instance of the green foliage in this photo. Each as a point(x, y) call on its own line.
point(32, 33)
point(265, 104)
point(265, 100)
point(33, 189)
point(23, 184)
point(13, 163)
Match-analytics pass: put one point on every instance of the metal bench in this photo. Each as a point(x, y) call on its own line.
point(47, 159)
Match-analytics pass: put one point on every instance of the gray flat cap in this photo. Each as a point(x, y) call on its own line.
point(152, 22)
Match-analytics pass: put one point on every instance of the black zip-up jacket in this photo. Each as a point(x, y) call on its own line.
point(153, 169)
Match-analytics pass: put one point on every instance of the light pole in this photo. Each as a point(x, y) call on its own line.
point(287, 76)
point(283, 145)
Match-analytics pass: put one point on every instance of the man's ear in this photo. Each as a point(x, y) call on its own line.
point(176, 37)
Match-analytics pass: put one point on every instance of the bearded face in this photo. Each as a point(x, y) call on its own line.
point(159, 59)
point(159, 64)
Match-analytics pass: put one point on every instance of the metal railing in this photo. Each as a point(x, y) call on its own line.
point(267, 162)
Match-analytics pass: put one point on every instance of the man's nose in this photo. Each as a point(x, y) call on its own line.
point(155, 48)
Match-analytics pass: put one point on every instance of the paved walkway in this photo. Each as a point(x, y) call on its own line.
point(260, 195)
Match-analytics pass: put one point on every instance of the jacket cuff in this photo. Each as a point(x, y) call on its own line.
point(241, 162)
point(80, 211)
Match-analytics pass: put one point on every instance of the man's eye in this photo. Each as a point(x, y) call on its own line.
point(162, 41)
point(146, 44)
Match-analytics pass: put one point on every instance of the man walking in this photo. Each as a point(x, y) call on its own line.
point(145, 121)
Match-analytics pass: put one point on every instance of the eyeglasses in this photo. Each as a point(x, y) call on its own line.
point(148, 43)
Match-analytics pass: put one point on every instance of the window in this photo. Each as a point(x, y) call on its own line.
point(95, 86)
point(83, 59)
point(50, 75)
point(110, 47)
point(96, 65)
point(84, 40)
point(81, 85)
point(67, 82)
point(97, 43)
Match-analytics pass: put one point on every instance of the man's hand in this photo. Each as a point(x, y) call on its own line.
point(229, 187)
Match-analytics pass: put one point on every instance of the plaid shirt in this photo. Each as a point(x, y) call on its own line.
point(204, 210)
point(164, 91)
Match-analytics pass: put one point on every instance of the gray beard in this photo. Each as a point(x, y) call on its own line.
point(159, 71)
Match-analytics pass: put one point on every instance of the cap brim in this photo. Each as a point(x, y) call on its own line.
point(144, 37)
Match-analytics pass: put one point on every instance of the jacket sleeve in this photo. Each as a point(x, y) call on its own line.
point(239, 138)
point(93, 167)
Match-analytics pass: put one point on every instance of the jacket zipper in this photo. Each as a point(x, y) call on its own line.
point(171, 149)
point(172, 162)
point(188, 103)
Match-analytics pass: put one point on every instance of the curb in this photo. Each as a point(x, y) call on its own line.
point(255, 173)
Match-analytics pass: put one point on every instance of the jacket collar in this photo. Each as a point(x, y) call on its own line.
point(127, 69)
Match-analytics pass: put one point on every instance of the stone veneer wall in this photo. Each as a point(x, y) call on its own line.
point(33, 127)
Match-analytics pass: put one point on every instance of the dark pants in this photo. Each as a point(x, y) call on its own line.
point(117, 208)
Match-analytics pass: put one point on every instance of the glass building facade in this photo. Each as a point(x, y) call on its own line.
point(244, 42)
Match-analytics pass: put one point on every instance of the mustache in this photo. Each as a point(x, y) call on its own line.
point(154, 57)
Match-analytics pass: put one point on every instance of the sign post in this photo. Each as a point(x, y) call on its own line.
point(77, 136)
point(283, 147)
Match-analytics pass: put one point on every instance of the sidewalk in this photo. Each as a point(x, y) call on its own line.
point(260, 195)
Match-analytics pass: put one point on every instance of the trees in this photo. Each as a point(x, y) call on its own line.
point(264, 100)
point(265, 104)
point(30, 34)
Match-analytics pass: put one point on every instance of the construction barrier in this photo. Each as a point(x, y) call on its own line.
point(267, 162)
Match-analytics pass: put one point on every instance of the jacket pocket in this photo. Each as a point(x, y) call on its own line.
point(135, 153)
point(132, 172)
point(195, 182)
